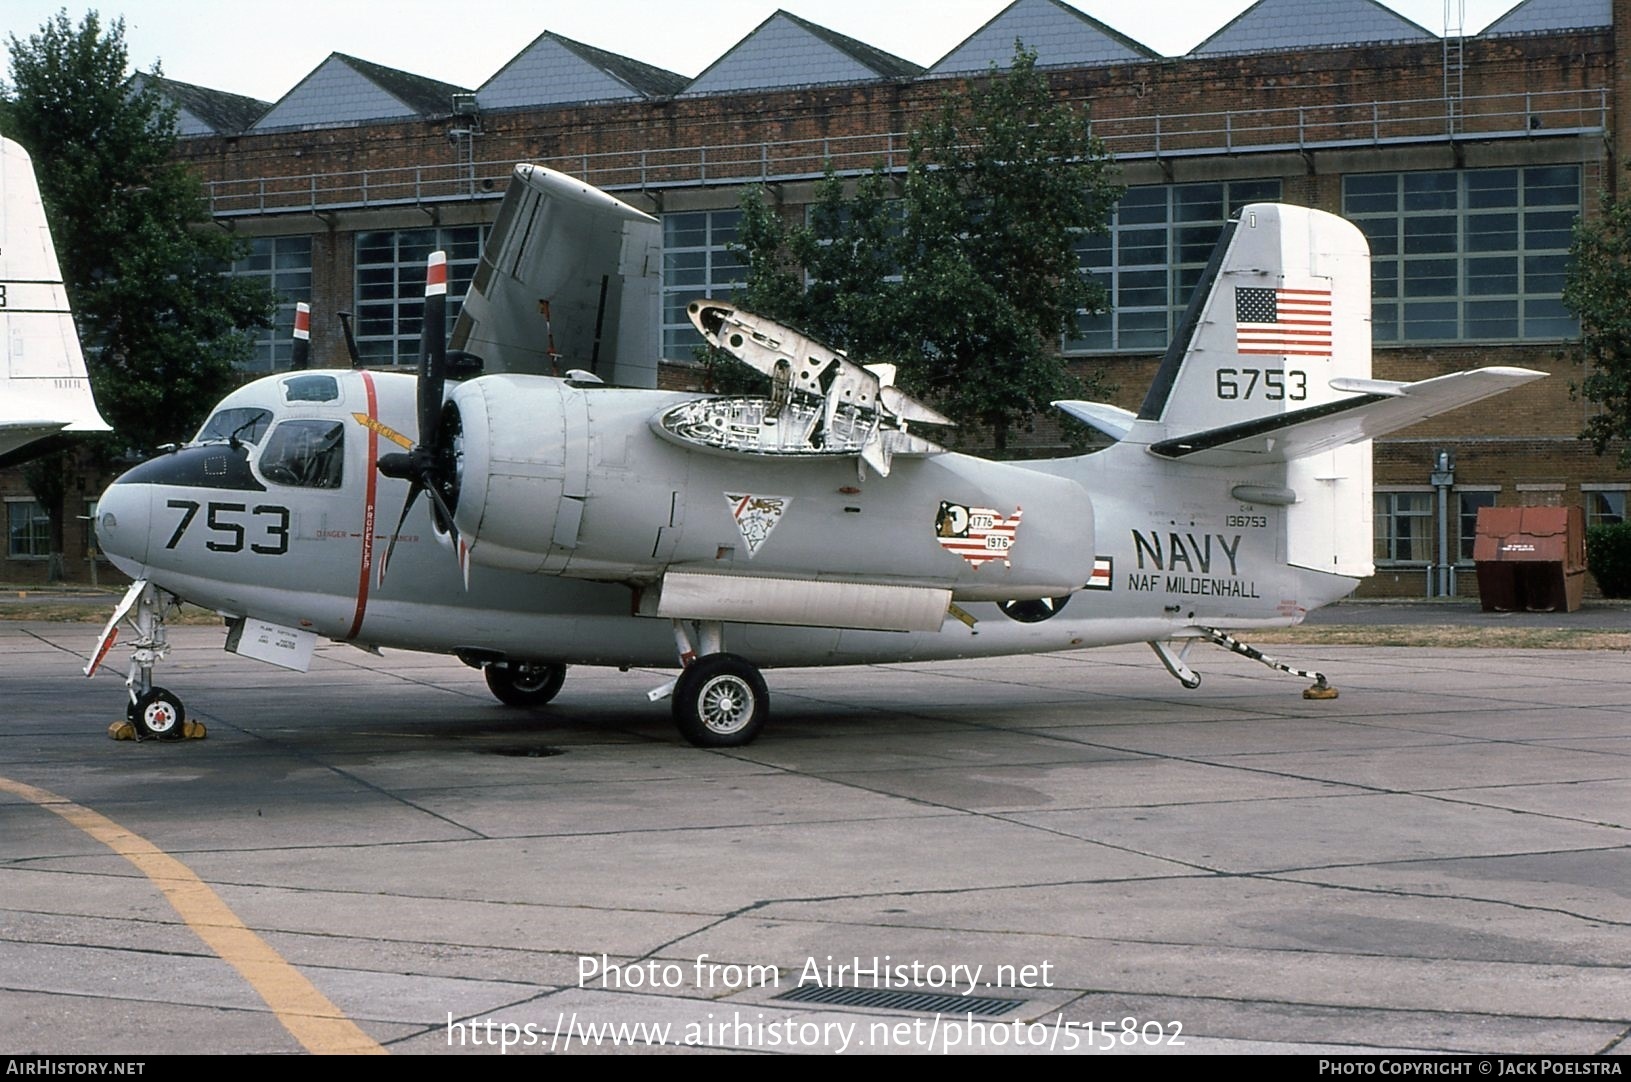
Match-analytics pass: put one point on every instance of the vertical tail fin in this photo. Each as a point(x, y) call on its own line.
point(1282, 310)
point(1280, 324)
point(43, 386)
point(1268, 383)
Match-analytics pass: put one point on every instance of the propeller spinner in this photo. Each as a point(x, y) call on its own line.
point(430, 465)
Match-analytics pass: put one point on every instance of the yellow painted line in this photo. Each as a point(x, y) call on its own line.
point(305, 1012)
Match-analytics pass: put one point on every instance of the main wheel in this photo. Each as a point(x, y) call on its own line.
point(524, 685)
point(720, 701)
point(158, 715)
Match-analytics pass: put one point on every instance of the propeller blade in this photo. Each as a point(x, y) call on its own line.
point(350, 339)
point(420, 465)
point(433, 349)
point(444, 513)
point(302, 338)
point(407, 505)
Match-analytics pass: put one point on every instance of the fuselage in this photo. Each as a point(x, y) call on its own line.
point(278, 513)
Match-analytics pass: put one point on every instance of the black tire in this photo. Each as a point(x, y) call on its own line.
point(524, 685)
point(720, 701)
point(158, 715)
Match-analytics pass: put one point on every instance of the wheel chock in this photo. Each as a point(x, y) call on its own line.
point(124, 730)
point(1320, 691)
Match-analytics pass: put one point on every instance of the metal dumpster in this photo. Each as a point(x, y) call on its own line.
point(1531, 558)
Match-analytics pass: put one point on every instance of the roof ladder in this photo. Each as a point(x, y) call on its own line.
point(1455, 66)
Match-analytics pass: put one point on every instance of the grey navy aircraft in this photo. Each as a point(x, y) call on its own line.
point(44, 393)
point(591, 519)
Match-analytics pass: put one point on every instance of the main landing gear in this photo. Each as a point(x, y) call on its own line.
point(516, 683)
point(719, 699)
point(1189, 678)
point(153, 712)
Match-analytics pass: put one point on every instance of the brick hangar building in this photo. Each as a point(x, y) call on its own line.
point(1464, 158)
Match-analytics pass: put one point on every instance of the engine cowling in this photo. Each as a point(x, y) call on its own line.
point(560, 479)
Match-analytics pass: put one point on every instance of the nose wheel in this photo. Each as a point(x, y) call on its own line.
point(157, 715)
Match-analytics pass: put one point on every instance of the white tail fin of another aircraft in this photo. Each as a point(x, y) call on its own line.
point(1271, 367)
point(44, 390)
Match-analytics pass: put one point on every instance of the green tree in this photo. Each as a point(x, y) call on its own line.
point(1598, 291)
point(970, 278)
point(160, 323)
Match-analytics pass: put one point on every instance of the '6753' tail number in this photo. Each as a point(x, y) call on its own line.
point(1269, 384)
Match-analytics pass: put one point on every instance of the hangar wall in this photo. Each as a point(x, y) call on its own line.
point(339, 210)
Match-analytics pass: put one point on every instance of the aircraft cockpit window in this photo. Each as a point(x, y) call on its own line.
point(247, 424)
point(305, 453)
point(311, 389)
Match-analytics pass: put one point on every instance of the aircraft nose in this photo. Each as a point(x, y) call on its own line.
point(123, 520)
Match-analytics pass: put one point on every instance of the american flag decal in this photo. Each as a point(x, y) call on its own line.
point(977, 534)
point(1103, 568)
point(1283, 322)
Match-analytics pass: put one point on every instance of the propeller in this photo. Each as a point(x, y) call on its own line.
point(350, 339)
point(428, 466)
point(302, 338)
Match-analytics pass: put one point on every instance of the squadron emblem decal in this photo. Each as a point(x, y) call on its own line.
point(977, 534)
point(756, 516)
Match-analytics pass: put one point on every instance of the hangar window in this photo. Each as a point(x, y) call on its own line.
point(1152, 258)
point(305, 453)
point(284, 264)
point(697, 263)
point(1474, 255)
point(28, 529)
point(1404, 528)
point(1605, 504)
point(1468, 502)
point(391, 286)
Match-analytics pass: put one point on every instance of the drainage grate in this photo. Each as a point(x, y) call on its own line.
point(892, 1000)
point(525, 751)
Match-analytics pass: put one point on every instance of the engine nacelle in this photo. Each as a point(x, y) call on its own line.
point(567, 480)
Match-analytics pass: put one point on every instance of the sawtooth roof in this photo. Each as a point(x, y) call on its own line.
point(786, 50)
point(344, 90)
point(555, 70)
point(202, 111)
point(1279, 25)
point(1059, 33)
point(1539, 16)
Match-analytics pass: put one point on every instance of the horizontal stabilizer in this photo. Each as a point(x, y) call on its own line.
point(1113, 421)
point(1385, 407)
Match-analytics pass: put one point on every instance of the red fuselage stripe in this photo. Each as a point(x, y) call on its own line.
point(365, 573)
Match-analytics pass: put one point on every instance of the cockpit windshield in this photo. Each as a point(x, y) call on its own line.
point(245, 423)
point(305, 453)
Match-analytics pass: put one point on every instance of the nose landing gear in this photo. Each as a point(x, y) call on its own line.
point(153, 713)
